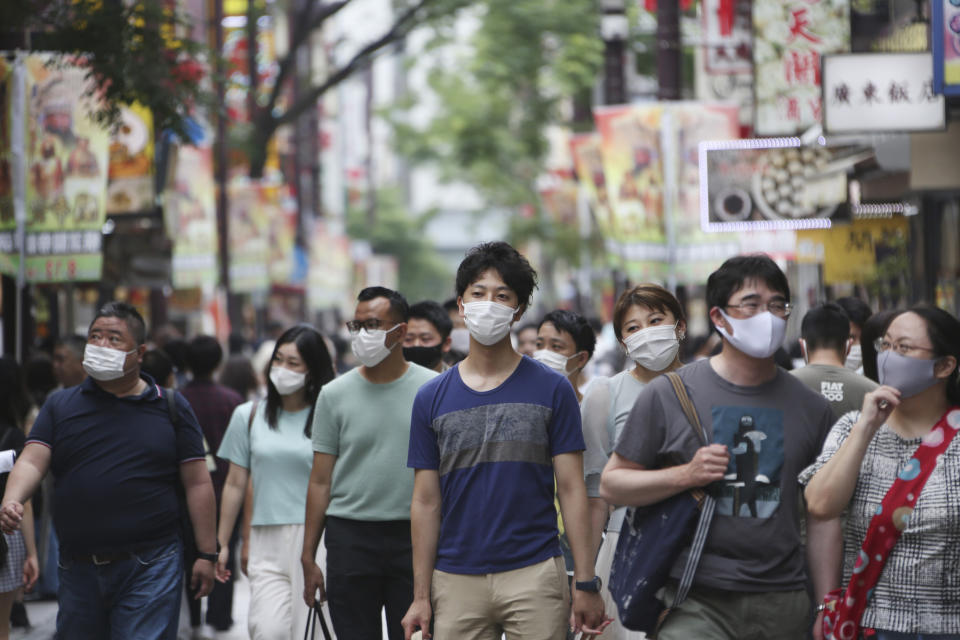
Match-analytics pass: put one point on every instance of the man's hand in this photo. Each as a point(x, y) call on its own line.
point(708, 465)
point(201, 579)
point(223, 574)
point(313, 590)
point(587, 614)
point(10, 516)
point(31, 571)
point(418, 617)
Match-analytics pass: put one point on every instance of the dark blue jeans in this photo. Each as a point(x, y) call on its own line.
point(138, 597)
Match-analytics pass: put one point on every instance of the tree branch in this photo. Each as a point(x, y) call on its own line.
point(397, 31)
point(305, 26)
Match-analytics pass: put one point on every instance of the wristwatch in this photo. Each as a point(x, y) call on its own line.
point(211, 557)
point(593, 586)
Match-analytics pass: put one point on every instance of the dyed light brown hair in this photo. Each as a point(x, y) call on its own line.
point(652, 296)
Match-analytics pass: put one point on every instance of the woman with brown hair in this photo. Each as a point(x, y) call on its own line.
point(649, 323)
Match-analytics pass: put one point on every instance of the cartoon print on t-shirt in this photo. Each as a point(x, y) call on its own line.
point(754, 437)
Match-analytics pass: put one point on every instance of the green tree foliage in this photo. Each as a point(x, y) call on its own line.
point(135, 52)
point(397, 233)
point(525, 62)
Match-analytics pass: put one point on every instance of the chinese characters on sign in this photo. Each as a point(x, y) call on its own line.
point(789, 39)
point(881, 92)
point(728, 32)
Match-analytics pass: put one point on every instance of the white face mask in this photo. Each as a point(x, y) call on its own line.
point(855, 358)
point(104, 363)
point(653, 348)
point(370, 346)
point(287, 381)
point(556, 361)
point(488, 322)
point(758, 336)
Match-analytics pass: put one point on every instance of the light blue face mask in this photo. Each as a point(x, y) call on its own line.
point(909, 376)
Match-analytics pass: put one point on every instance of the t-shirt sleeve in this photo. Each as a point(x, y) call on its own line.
point(836, 437)
point(235, 446)
point(189, 435)
point(595, 415)
point(326, 434)
point(642, 437)
point(424, 451)
point(566, 430)
point(42, 429)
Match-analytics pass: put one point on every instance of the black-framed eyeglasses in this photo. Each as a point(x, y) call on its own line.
point(753, 307)
point(370, 324)
point(882, 344)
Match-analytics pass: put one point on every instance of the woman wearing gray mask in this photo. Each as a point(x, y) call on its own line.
point(649, 323)
point(894, 469)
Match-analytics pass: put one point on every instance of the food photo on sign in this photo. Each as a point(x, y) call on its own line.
point(775, 183)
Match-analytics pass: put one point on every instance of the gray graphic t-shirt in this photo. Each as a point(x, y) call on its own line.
point(844, 389)
point(773, 431)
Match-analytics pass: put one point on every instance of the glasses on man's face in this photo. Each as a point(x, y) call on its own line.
point(370, 324)
point(753, 307)
point(903, 348)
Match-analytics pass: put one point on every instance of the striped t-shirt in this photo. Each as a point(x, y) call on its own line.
point(494, 450)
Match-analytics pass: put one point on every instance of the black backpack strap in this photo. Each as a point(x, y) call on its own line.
point(172, 406)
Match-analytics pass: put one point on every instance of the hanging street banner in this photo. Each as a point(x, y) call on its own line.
point(945, 29)
point(588, 162)
point(790, 36)
point(871, 92)
point(66, 172)
point(329, 284)
point(191, 215)
point(249, 237)
point(130, 176)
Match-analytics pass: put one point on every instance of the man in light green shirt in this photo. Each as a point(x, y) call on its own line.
point(360, 486)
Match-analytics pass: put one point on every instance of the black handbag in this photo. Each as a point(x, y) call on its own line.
point(651, 540)
point(310, 632)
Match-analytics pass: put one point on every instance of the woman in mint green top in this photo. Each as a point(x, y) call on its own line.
point(274, 450)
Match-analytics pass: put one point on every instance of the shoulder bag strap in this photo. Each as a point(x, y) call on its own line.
point(707, 502)
point(253, 412)
point(172, 406)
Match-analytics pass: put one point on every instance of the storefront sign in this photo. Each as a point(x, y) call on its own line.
point(727, 33)
point(773, 183)
point(66, 163)
point(945, 27)
point(852, 253)
point(790, 36)
point(866, 92)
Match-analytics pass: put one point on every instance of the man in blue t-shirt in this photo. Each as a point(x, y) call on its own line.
point(487, 439)
point(117, 457)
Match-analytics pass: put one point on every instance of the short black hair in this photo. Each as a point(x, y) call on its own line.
point(398, 304)
point(450, 304)
point(527, 326)
point(826, 327)
point(856, 309)
point(157, 364)
point(204, 354)
point(177, 349)
point(433, 313)
point(513, 268)
point(873, 328)
point(734, 272)
point(75, 342)
point(127, 313)
point(576, 325)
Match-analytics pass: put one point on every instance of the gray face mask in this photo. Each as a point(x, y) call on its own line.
point(909, 376)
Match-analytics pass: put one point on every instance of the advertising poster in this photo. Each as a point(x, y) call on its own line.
point(557, 187)
point(774, 184)
point(130, 176)
point(945, 28)
point(588, 162)
point(790, 36)
point(633, 170)
point(66, 166)
point(852, 253)
point(191, 215)
point(329, 278)
point(249, 233)
point(281, 210)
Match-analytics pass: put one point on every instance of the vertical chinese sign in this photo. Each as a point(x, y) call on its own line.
point(790, 36)
point(66, 163)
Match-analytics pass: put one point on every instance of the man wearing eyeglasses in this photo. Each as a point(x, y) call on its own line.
point(763, 427)
point(360, 487)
